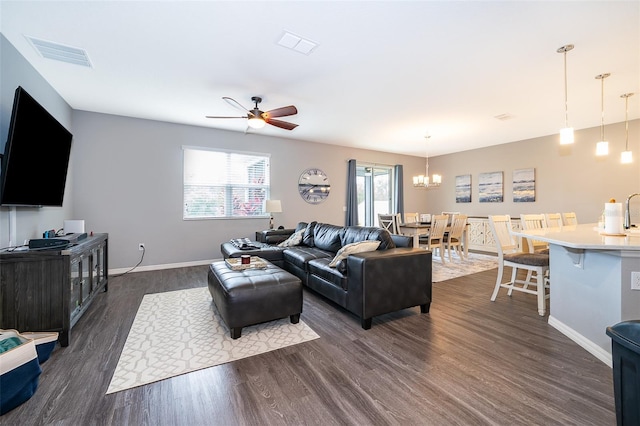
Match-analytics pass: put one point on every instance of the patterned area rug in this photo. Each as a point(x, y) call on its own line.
point(458, 268)
point(180, 331)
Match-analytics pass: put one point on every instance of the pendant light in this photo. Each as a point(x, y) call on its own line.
point(627, 156)
point(566, 133)
point(423, 181)
point(602, 147)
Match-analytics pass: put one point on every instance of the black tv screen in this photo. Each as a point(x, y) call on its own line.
point(36, 156)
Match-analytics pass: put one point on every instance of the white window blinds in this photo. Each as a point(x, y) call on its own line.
point(224, 184)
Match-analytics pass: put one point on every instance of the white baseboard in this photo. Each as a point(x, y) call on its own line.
point(585, 343)
point(161, 267)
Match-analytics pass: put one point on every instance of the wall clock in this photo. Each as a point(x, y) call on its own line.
point(313, 186)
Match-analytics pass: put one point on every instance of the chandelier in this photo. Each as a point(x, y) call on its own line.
point(423, 181)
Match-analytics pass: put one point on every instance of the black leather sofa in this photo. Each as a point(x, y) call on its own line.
point(393, 277)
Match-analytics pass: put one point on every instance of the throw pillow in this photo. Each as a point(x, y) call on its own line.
point(359, 247)
point(294, 240)
point(307, 237)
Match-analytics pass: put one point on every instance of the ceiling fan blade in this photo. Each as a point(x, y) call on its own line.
point(280, 112)
point(214, 116)
point(282, 124)
point(235, 103)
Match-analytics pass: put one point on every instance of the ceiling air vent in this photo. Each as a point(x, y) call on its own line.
point(60, 52)
point(297, 43)
point(504, 117)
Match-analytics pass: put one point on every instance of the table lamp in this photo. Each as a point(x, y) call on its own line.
point(272, 206)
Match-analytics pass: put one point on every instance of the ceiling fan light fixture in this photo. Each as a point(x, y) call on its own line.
point(257, 119)
point(256, 122)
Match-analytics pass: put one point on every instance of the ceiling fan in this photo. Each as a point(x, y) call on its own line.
point(257, 119)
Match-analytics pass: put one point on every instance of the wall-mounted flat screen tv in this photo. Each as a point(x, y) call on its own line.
point(36, 156)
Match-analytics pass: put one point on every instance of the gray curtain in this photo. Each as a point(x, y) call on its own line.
point(351, 218)
point(399, 201)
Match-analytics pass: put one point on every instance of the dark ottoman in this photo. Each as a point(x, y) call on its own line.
point(254, 296)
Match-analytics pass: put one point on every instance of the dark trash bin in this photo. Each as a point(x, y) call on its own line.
point(625, 349)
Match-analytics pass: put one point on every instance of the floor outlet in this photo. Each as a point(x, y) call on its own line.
point(635, 281)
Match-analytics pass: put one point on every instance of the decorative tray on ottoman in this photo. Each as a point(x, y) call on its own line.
point(236, 264)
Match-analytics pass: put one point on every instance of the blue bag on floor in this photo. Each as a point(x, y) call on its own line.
point(19, 369)
point(45, 343)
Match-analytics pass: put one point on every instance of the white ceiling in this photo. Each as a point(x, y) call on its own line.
point(384, 74)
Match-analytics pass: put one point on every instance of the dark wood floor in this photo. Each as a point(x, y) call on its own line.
point(468, 362)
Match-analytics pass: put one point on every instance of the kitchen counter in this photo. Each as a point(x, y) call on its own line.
point(590, 277)
point(585, 236)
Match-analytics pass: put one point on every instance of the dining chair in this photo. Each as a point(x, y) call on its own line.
point(453, 238)
point(569, 218)
point(534, 221)
point(389, 222)
point(509, 255)
point(435, 239)
point(553, 220)
point(452, 216)
point(410, 217)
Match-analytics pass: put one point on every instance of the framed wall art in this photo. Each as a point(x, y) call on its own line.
point(524, 185)
point(490, 187)
point(463, 189)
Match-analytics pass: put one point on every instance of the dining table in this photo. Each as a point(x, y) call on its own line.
point(416, 229)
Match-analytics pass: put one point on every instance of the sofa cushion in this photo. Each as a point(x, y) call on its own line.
point(328, 237)
point(353, 234)
point(300, 255)
point(294, 240)
point(357, 247)
point(320, 268)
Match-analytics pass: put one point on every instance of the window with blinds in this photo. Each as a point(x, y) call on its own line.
point(224, 184)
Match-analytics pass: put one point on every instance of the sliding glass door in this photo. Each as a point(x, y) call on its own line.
point(375, 192)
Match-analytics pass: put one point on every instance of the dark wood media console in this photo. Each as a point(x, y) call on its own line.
point(49, 290)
